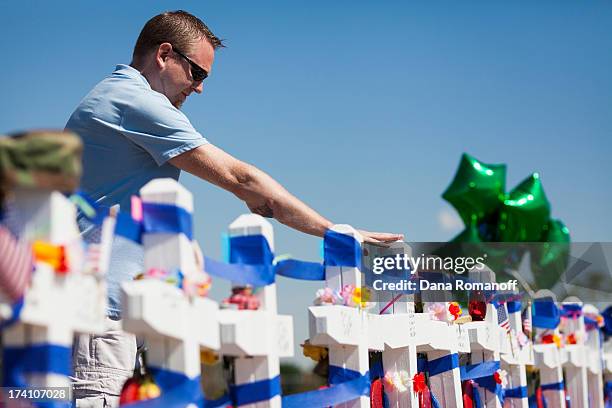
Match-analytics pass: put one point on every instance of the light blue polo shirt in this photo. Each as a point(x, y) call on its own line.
point(129, 133)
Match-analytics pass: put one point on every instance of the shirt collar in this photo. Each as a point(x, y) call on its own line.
point(131, 72)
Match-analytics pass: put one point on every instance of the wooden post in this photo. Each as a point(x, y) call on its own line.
point(400, 352)
point(174, 325)
point(443, 341)
point(515, 361)
point(343, 329)
point(257, 338)
point(486, 337)
point(575, 368)
point(549, 359)
point(594, 350)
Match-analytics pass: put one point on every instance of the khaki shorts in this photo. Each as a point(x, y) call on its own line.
point(102, 364)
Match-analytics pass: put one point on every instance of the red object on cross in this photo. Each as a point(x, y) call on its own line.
point(467, 389)
point(455, 310)
point(418, 383)
point(62, 268)
point(477, 309)
point(377, 394)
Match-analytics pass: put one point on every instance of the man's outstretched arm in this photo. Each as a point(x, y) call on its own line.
point(261, 193)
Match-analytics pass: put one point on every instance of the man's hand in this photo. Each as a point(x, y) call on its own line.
point(380, 237)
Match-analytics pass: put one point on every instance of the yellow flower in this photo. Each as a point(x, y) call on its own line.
point(361, 296)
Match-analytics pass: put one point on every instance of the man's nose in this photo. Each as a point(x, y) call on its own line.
point(199, 87)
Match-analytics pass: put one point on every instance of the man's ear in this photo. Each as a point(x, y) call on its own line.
point(162, 54)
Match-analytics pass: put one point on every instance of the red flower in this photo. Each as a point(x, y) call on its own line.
point(497, 377)
point(547, 339)
point(418, 383)
point(455, 310)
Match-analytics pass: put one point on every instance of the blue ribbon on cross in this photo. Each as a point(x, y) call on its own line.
point(42, 359)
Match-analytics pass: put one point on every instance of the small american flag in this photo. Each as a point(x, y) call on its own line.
point(527, 327)
point(15, 265)
point(93, 256)
point(502, 317)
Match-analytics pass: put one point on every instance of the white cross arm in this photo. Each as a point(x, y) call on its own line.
point(155, 308)
point(255, 333)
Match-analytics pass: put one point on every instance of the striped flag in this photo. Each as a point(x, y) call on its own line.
point(502, 317)
point(92, 263)
point(15, 265)
point(527, 327)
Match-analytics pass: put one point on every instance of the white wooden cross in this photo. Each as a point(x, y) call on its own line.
point(486, 337)
point(57, 304)
point(441, 339)
point(257, 338)
point(576, 365)
point(516, 361)
point(549, 359)
point(397, 331)
point(594, 357)
point(175, 326)
point(344, 330)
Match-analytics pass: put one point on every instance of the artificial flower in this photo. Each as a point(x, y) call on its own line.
point(455, 310)
point(437, 311)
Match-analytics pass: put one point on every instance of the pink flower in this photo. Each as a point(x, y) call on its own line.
point(325, 297)
point(437, 311)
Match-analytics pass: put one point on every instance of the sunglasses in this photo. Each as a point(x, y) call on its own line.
point(197, 72)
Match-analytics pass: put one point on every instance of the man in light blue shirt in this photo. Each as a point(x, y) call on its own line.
point(129, 133)
point(124, 118)
point(133, 132)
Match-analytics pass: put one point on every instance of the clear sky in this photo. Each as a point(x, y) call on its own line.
point(360, 108)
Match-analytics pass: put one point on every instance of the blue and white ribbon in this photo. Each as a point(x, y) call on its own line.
point(40, 359)
point(177, 391)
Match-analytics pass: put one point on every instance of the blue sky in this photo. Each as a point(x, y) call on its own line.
point(360, 108)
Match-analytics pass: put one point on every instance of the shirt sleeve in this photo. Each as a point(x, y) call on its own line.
point(159, 128)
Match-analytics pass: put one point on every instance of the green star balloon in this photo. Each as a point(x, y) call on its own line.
point(477, 189)
point(523, 215)
point(549, 260)
point(525, 212)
